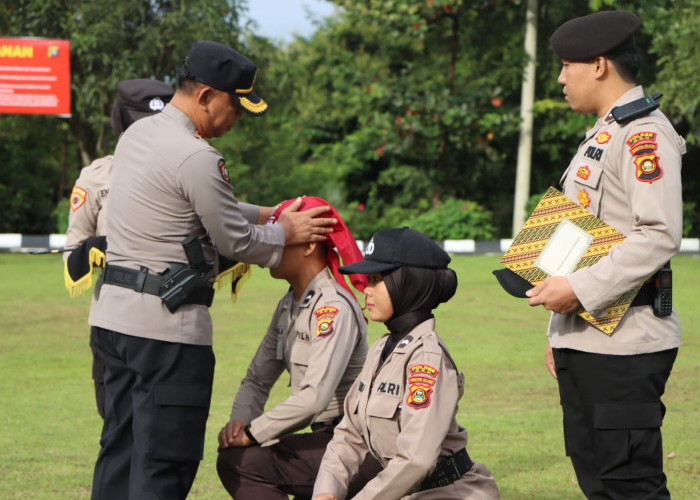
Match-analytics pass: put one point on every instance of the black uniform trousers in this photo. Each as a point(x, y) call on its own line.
point(612, 421)
point(98, 371)
point(157, 397)
point(288, 467)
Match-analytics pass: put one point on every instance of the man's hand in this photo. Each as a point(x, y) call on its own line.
point(304, 227)
point(325, 496)
point(555, 294)
point(232, 434)
point(549, 360)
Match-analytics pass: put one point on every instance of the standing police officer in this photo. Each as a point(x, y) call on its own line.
point(627, 172)
point(136, 99)
point(171, 210)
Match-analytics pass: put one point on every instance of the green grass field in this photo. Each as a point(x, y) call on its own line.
point(50, 428)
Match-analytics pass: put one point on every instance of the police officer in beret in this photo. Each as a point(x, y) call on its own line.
point(172, 209)
point(136, 99)
point(627, 171)
point(402, 407)
point(318, 334)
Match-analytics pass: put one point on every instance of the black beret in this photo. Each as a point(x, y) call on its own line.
point(137, 99)
point(585, 38)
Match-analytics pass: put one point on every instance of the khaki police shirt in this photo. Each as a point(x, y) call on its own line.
point(403, 413)
point(168, 183)
point(88, 210)
point(322, 342)
point(630, 177)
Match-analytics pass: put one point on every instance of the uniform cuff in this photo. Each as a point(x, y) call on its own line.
point(246, 429)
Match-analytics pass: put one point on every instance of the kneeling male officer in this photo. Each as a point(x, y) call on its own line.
point(319, 335)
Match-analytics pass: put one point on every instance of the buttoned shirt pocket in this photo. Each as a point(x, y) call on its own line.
point(383, 424)
point(298, 362)
point(587, 185)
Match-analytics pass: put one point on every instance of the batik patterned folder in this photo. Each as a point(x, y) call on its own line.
point(581, 240)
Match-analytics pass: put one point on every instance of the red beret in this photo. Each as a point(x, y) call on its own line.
point(585, 38)
point(341, 238)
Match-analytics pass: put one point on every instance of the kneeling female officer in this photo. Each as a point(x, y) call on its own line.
point(402, 408)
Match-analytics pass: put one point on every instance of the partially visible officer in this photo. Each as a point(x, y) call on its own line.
point(402, 408)
point(171, 210)
point(319, 335)
point(136, 99)
point(627, 171)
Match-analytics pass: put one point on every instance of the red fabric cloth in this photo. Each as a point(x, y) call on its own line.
point(341, 239)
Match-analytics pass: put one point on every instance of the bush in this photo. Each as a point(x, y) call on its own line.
point(456, 219)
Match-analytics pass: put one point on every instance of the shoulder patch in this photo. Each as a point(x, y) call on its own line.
point(643, 148)
point(77, 198)
point(421, 379)
point(223, 170)
point(324, 320)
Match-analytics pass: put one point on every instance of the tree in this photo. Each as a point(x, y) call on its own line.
point(110, 41)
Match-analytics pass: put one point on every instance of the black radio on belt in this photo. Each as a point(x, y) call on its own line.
point(640, 107)
point(180, 281)
point(662, 304)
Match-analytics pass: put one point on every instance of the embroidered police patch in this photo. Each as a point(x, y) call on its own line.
point(648, 169)
point(421, 379)
point(222, 169)
point(324, 320)
point(77, 198)
point(419, 396)
point(643, 148)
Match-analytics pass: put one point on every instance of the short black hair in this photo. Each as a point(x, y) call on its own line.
point(628, 60)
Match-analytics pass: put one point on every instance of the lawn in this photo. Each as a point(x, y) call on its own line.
point(50, 428)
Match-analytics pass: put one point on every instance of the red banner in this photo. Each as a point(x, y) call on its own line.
point(34, 76)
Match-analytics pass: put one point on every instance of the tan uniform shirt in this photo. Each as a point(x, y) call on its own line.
point(630, 177)
point(169, 183)
point(88, 210)
point(404, 414)
point(322, 343)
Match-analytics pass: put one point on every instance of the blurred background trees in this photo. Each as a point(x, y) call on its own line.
point(396, 111)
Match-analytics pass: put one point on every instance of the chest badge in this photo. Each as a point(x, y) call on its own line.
point(324, 320)
point(603, 138)
point(583, 198)
point(583, 172)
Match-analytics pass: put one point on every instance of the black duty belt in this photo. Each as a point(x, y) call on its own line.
point(645, 296)
point(327, 424)
point(447, 471)
point(144, 282)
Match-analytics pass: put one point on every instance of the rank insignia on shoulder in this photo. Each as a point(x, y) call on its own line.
point(324, 320)
point(222, 169)
point(77, 198)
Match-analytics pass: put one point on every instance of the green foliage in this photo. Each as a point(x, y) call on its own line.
point(396, 106)
point(456, 220)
